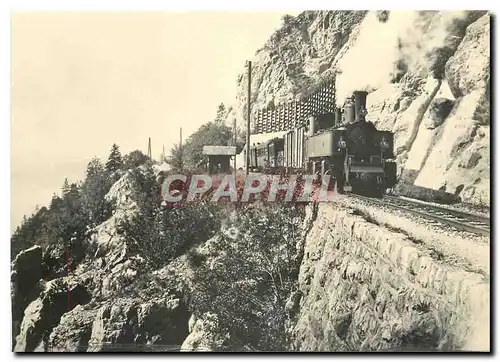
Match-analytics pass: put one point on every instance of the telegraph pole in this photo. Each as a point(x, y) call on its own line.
point(247, 168)
point(180, 150)
point(149, 149)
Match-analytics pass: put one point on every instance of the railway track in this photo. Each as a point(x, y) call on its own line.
point(460, 220)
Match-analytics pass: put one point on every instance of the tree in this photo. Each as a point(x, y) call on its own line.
point(95, 167)
point(220, 117)
point(209, 134)
point(93, 192)
point(134, 159)
point(65, 222)
point(115, 161)
point(160, 235)
point(29, 232)
point(287, 19)
point(65, 187)
point(241, 139)
point(56, 203)
point(176, 160)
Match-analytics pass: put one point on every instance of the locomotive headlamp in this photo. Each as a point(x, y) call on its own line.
point(342, 143)
point(384, 144)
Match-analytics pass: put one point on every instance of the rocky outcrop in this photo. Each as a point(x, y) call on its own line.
point(129, 324)
point(26, 272)
point(469, 68)
point(72, 334)
point(44, 313)
point(439, 109)
point(200, 339)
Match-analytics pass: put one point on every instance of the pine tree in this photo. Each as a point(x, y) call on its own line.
point(72, 196)
point(93, 191)
point(95, 167)
point(176, 158)
point(134, 159)
point(65, 187)
point(56, 203)
point(115, 161)
point(221, 113)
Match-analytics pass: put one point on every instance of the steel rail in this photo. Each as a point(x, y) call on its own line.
point(444, 218)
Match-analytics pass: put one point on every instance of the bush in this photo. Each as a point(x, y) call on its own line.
point(159, 233)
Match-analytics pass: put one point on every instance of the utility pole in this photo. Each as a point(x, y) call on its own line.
point(180, 150)
point(163, 155)
point(149, 149)
point(247, 168)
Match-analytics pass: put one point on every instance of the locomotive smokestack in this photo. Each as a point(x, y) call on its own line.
point(349, 113)
point(360, 105)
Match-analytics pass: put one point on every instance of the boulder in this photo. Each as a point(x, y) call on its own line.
point(26, 272)
point(54, 261)
point(43, 314)
point(201, 337)
point(439, 109)
point(128, 324)
point(72, 334)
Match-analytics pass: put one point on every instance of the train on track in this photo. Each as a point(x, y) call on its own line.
point(342, 144)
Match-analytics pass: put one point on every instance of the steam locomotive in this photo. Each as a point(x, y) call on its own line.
point(343, 144)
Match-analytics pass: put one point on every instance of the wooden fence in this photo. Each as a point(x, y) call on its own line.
point(290, 115)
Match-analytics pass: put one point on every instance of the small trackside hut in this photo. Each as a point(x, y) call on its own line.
point(219, 158)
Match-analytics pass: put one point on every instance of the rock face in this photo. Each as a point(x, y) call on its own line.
point(127, 324)
point(72, 334)
point(297, 55)
point(439, 109)
point(43, 314)
point(428, 78)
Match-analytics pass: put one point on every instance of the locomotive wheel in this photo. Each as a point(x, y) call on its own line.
point(379, 192)
point(339, 183)
point(379, 188)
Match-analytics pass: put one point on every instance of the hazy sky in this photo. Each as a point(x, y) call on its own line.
point(81, 81)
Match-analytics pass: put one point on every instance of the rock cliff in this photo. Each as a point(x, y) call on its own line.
point(428, 78)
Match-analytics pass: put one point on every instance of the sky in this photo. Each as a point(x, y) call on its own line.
point(83, 81)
